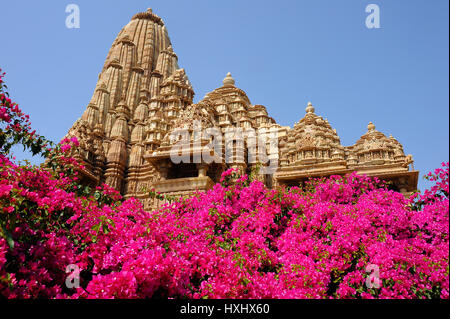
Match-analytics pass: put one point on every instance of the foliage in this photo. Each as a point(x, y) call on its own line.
point(15, 127)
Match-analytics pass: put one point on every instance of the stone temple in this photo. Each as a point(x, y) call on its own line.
point(142, 96)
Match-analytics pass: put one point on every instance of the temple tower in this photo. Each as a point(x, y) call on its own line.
point(140, 85)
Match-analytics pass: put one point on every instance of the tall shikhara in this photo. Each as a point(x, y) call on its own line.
point(140, 74)
point(142, 96)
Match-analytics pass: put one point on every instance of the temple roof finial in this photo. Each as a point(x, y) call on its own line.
point(371, 127)
point(228, 81)
point(148, 15)
point(310, 108)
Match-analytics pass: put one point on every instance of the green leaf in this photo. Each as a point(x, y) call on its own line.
point(105, 229)
point(96, 227)
point(8, 237)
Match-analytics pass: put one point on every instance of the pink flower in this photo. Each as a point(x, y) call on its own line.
point(65, 147)
point(8, 209)
point(74, 140)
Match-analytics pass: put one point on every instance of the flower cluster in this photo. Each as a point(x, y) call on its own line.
point(249, 242)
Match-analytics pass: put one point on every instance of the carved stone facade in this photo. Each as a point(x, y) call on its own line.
point(142, 96)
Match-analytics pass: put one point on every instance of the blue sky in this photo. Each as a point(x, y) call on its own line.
point(282, 53)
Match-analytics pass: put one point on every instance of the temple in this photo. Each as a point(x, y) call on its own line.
point(142, 97)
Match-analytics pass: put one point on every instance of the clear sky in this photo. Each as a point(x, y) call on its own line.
point(282, 53)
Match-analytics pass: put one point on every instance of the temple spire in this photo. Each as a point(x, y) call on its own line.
point(228, 81)
point(310, 108)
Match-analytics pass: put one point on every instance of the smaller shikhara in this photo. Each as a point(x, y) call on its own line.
point(142, 97)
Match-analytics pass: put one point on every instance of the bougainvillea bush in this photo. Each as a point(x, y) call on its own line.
point(341, 237)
